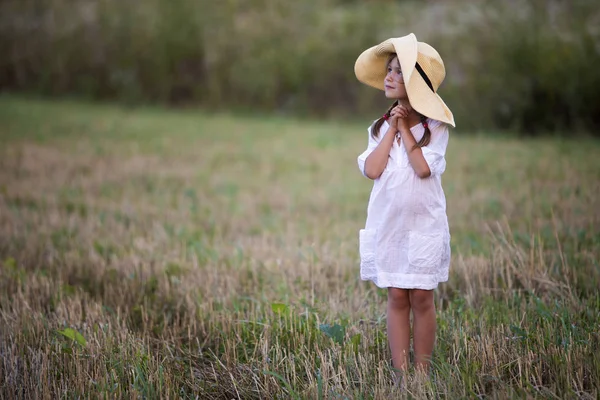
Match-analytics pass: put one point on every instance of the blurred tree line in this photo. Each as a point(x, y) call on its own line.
point(524, 65)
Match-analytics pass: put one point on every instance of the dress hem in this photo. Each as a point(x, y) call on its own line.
point(420, 286)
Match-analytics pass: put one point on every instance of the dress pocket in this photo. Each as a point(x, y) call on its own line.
point(425, 251)
point(367, 247)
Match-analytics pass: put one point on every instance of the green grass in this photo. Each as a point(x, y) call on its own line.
point(152, 253)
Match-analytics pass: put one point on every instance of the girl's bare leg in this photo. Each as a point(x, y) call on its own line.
point(398, 326)
point(424, 326)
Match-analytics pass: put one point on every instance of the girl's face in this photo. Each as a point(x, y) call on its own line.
point(394, 81)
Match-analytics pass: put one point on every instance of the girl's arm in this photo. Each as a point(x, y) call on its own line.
point(427, 160)
point(377, 160)
point(415, 154)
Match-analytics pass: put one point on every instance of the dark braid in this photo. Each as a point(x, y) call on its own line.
point(426, 135)
point(376, 127)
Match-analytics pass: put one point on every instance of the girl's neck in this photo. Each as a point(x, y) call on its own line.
point(404, 102)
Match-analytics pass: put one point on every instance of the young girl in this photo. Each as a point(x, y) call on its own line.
point(405, 245)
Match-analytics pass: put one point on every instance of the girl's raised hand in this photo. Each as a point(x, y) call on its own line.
point(399, 116)
point(401, 111)
point(394, 117)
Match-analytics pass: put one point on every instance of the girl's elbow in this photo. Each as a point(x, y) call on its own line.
point(372, 174)
point(424, 173)
point(371, 171)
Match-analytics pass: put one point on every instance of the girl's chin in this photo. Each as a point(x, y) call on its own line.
point(395, 96)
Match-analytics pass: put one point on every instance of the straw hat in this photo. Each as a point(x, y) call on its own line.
point(371, 69)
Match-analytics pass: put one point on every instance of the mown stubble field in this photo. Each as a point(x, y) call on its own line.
point(149, 253)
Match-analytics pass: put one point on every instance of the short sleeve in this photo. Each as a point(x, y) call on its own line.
point(370, 147)
point(434, 153)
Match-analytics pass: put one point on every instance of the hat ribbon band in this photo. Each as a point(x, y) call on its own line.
point(424, 76)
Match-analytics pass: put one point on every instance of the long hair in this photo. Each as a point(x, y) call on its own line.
point(376, 127)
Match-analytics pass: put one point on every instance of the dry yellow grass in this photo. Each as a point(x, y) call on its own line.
point(216, 256)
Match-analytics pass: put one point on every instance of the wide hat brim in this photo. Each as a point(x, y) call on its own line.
point(371, 68)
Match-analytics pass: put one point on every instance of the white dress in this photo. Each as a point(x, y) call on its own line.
point(406, 240)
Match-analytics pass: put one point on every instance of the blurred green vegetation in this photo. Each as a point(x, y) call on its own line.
point(524, 65)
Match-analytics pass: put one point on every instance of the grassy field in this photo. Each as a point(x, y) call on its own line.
point(149, 253)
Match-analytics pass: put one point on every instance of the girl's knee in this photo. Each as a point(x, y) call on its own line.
point(421, 300)
point(398, 298)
